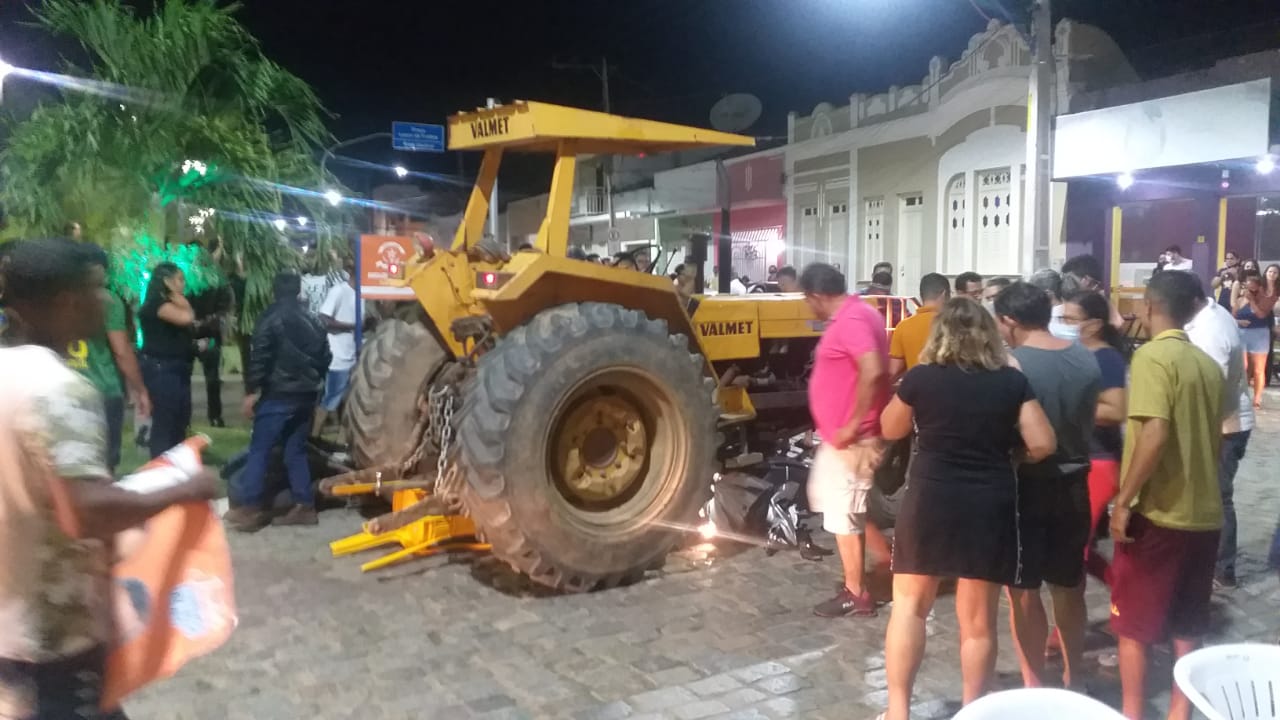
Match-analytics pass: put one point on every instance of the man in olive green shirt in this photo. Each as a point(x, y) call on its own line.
point(1168, 513)
point(103, 360)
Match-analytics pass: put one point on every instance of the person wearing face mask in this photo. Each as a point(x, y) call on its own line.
point(1084, 272)
point(1053, 495)
point(1089, 313)
point(989, 293)
point(1050, 282)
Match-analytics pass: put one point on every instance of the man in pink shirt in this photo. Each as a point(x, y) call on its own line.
point(847, 391)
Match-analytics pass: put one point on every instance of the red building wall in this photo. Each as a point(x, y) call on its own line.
point(757, 198)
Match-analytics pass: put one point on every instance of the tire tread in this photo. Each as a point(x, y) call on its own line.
point(505, 373)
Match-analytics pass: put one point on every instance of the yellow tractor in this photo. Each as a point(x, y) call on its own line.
point(572, 412)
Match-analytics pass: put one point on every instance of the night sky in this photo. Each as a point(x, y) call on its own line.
point(376, 61)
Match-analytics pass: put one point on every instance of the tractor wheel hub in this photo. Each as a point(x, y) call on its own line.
point(602, 448)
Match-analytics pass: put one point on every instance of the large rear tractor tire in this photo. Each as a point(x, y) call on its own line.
point(382, 404)
point(588, 441)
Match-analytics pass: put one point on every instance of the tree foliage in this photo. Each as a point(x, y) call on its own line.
point(198, 87)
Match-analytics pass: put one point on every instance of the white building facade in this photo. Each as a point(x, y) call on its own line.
point(931, 177)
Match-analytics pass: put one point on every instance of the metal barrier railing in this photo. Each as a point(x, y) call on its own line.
point(894, 308)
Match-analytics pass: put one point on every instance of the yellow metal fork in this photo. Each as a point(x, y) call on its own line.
point(428, 536)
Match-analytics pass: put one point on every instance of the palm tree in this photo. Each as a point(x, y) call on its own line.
point(199, 87)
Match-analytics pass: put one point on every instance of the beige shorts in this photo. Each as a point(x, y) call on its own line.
point(840, 483)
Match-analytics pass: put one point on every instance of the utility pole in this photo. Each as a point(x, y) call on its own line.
point(602, 72)
point(608, 161)
point(493, 197)
point(1039, 141)
point(724, 241)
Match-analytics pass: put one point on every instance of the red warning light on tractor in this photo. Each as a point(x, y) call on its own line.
point(491, 280)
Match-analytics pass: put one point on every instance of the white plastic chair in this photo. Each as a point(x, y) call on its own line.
point(1232, 682)
point(1037, 703)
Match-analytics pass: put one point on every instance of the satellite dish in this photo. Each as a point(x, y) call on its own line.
point(736, 112)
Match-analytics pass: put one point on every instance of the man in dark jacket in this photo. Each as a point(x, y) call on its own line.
point(287, 366)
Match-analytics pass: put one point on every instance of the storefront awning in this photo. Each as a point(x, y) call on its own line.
point(1222, 123)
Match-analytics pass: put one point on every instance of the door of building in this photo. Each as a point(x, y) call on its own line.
point(872, 238)
point(837, 249)
point(910, 244)
point(808, 240)
point(997, 250)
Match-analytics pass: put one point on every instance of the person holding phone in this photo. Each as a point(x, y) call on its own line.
point(168, 325)
point(1253, 310)
point(1225, 280)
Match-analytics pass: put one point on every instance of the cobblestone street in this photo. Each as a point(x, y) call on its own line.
point(730, 638)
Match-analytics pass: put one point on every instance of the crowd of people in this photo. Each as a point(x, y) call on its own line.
point(67, 363)
point(288, 399)
point(1250, 295)
point(1030, 416)
point(1027, 418)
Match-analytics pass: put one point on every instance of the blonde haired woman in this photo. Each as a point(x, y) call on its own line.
point(974, 417)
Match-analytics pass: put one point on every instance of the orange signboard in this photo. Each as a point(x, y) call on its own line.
point(382, 266)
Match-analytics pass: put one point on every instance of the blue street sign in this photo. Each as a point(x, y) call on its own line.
point(417, 137)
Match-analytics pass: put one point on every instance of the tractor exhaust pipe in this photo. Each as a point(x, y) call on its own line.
point(699, 243)
point(698, 253)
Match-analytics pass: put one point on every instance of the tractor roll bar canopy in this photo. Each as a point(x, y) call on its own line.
point(567, 132)
point(540, 127)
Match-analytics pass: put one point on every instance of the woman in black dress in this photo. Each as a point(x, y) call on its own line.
point(974, 418)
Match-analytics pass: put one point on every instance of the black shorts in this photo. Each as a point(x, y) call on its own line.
point(1053, 529)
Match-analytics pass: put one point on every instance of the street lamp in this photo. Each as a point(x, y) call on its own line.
point(333, 196)
point(401, 171)
point(280, 224)
point(302, 221)
point(328, 152)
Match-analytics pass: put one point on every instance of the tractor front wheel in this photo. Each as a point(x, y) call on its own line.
point(382, 404)
point(588, 440)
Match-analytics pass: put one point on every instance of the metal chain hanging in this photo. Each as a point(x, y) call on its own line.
point(441, 404)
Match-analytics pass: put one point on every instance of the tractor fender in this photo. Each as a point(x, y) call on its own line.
point(533, 282)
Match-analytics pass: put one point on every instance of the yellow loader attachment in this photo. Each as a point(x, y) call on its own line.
point(421, 537)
